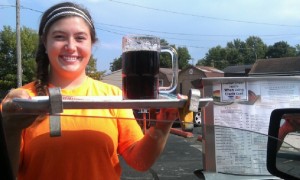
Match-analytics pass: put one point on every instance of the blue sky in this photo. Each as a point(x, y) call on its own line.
point(196, 24)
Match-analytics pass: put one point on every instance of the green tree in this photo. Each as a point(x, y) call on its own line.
point(215, 57)
point(29, 42)
point(91, 69)
point(183, 57)
point(165, 58)
point(257, 49)
point(281, 49)
point(116, 64)
point(8, 57)
point(236, 52)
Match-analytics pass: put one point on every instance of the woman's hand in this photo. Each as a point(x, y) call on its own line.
point(167, 116)
point(14, 119)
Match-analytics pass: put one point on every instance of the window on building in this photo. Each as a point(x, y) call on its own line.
point(161, 82)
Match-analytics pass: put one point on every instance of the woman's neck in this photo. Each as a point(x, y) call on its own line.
point(67, 82)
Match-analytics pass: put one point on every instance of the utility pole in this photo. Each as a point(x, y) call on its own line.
point(18, 33)
point(254, 49)
point(192, 59)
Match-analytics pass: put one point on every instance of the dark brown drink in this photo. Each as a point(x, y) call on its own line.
point(140, 71)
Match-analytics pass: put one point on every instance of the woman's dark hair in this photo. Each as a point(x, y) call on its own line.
point(50, 16)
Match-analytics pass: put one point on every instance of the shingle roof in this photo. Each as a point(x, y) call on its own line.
point(114, 78)
point(237, 68)
point(168, 72)
point(276, 66)
point(210, 71)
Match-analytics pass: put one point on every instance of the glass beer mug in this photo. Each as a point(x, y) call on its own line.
point(140, 67)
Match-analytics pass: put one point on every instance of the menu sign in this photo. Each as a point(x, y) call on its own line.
point(238, 149)
point(234, 91)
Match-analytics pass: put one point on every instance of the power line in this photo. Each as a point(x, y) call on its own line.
point(189, 34)
point(6, 6)
point(172, 33)
point(122, 32)
point(201, 16)
point(110, 31)
point(180, 13)
point(21, 7)
point(31, 9)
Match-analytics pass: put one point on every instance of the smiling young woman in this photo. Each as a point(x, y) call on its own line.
point(69, 50)
point(89, 146)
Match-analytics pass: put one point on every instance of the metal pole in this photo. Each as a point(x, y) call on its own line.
point(254, 49)
point(18, 34)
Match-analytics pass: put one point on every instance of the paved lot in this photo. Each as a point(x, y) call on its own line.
point(181, 157)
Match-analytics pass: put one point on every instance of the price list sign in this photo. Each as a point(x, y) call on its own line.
point(242, 125)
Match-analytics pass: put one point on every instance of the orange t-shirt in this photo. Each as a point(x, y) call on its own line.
point(88, 147)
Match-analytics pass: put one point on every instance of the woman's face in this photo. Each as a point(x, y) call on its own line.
point(68, 45)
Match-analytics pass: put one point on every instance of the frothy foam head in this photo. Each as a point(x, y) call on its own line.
point(140, 43)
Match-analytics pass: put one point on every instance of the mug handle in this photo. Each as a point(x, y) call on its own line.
point(174, 82)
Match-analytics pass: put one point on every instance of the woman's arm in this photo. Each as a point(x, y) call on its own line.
point(13, 141)
point(143, 154)
point(14, 121)
point(5, 165)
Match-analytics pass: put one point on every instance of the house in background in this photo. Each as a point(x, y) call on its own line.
point(115, 77)
point(191, 77)
point(237, 71)
point(188, 78)
point(165, 77)
point(286, 66)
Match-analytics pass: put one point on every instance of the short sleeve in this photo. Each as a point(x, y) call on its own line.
point(129, 130)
